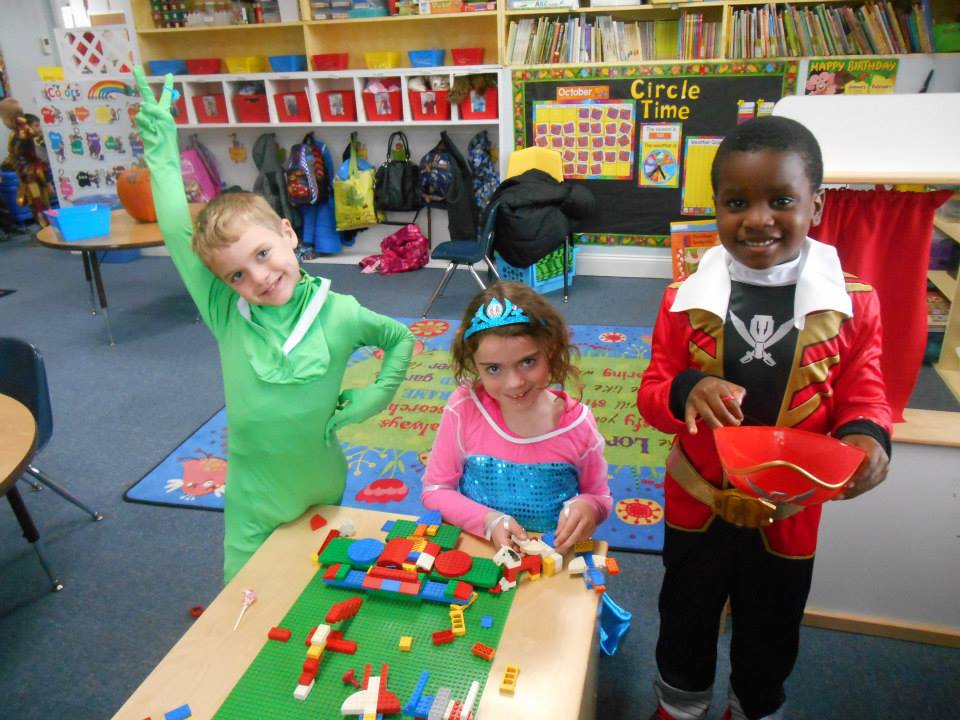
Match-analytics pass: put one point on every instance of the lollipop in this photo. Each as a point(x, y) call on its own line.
point(249, 598)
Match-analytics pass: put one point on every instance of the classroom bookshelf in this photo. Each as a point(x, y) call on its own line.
point(946, 282)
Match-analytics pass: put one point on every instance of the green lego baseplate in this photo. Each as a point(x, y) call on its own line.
point(266, 689)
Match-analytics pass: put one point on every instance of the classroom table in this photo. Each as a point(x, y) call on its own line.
point(126, 233)
point(550, 633)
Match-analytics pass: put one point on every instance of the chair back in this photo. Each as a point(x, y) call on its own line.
point(535, 158)
point(24, 378)
point(488, 229)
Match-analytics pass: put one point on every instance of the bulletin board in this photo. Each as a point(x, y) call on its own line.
point(642, 138)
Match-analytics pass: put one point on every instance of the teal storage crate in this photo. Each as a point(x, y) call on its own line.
point(81, 222)
point(546, 275)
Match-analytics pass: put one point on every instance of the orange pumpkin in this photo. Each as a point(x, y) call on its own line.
point(133, 189)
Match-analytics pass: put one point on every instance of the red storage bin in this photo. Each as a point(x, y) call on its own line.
point(292, 106)
point(425, 107)
point(467, 56)
point(383, 106)
point(470, 108)
point(251, 108)
point(210, 108)
point(181, 105)
point(337, 105)
point(331, 61)
point(203, 66)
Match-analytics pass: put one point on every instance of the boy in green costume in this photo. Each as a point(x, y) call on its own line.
point(284, 342)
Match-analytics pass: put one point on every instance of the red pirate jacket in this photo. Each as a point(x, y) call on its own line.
point(835, 377)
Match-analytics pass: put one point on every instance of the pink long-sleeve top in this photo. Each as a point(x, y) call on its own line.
point(473, 425)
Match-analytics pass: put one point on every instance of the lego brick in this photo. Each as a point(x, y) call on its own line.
point(447, 536)
point(484, 573)
point(336, 551)
point(315, 652)
point(395, 552)
point(431, 517)
point(486, 621)
point(509, 683)
point(406, 643)
point(411, 707)
point(442, 637)
point(583, 546)
point(463, 591)
point(350, 678)
point(434, 592)
point(326, 541)
point(457, 625)
point(613, 567)
point(180, 713)
point(344, 610)
point(453, 563)
point(281, 634)
point(483, 651)
point(390, 573)
point(302, 692)
point(401, 529)
point(317, 522)
point(440, 703)
point(364, 552)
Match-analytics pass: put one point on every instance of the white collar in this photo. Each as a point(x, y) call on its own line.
point(520, 440)
point(820, 284)
point(303, 322)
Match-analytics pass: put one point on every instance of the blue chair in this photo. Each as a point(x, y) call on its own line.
point(23, 377)
point(468, 253)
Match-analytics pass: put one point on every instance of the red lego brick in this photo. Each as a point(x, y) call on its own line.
point(463, 591)
point(395, 553)
point(311, 665)
point(306, 678)
point(455, 710)
point(344, 610)
point(310, 635)
point(331, 572)
point(387, 702)
point(511, 574)
point(432, 549)
point(483, 651)
point(442, 637)
point(410, 588)
point(330, 536)
point(317, 522)
point(281, 634)
point(613, 567)
point(532, 564)
point(393, 574)
point(453, 563)
point(350, 679)
point(336, 643)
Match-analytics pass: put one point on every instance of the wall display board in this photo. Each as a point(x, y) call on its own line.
point(90, 136)
point(642, 138)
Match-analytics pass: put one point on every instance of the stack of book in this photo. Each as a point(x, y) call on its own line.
point(875, 28)
point(578, 39)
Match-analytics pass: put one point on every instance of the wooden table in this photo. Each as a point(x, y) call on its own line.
point(549, 633)
point(125, 234)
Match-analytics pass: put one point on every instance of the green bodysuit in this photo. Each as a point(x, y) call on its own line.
point(282, 368)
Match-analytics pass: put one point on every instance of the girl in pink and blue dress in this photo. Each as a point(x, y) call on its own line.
point(513, 453)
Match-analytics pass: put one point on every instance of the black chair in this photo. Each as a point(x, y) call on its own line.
point(468, 253)
point(23, 377)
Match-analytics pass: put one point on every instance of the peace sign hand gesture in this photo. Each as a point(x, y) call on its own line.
point(155, 121)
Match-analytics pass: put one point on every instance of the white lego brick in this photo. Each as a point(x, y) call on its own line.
point(319, 638)
point(303, 691)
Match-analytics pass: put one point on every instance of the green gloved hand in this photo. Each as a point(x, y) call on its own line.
point(356, 405)
point(155, 121)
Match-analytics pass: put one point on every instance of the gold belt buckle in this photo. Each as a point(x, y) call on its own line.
point(743, 510)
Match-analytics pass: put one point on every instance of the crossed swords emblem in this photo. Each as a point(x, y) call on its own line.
point(760, 336)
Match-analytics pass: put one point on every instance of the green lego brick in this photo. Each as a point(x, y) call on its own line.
point(446, 537)
point(336, 552)
point(401, 529)
point(266, 689)
point(484, 573)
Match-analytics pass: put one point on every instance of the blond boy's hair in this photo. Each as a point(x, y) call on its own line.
point(224, 219)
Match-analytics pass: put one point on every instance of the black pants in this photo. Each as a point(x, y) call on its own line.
point(767, 596)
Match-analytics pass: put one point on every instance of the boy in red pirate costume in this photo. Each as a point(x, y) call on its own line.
point(768, 331)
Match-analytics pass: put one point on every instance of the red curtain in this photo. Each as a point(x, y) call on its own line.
point(883, 236)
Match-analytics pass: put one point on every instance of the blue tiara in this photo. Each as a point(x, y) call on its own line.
point(495, 315)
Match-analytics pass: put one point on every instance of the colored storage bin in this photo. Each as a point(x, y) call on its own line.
point(430, 104)
point(337, 105)
point(210, 108)
point(467, 56)
point(288, 63)
point(119, 256)
point(81, 222)
point(180, 116)
point(246, 64)
point(380, 60)
point(546, 275)
point(383, 106)
point(477, 107)
point(204, 66)
point(162, 67)
point(331, 61)
point(426, 58)
point(292, 106)
point(251, 108)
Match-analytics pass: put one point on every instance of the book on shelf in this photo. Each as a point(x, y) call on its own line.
point(689, 240)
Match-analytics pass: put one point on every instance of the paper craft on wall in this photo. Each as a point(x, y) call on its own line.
point(697, 191)
point(660, 155)
point(595, 138)
point(689, 240)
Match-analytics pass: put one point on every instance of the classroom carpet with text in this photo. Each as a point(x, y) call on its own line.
point(386, 454)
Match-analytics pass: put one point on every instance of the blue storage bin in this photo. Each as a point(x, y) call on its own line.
point(426, 58)
point(81, 222)
point(528, 275)
point(288, 63)
point(162, 67)
point(119, 256)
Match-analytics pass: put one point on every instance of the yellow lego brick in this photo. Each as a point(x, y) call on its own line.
point(314, 652)
point(509, 683)
point(549, 566)
point(457, 625)
point(409, 567)
point(583, 546)
point(406, 643)
point(534, 577)
point(419, 544)
point(432, 530)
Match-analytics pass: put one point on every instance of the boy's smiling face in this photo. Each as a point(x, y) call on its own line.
point(765, 206)
point(260, 265)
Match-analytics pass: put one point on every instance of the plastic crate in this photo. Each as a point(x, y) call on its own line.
point(81, 222)
point(119, 256)
point(467, 56)
point(380, 60)
point(204, 66)
point(470, 109)
point(337, 105)
point(288, 63)
point(251, 108)
point(246, 64)
point(383, 106)
point(528, 275)
point(180, 116)
point(162, 67)
point(331, 61)
point(426, 58)
point(210, 108)
point(292, 106)
point(425, 107)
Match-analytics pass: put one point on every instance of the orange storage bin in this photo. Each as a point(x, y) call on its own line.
point(430, 104)
point(181, 105)
point(251, 108)
point(292, 106)
point(210, 108)
point(337, 105)
point(331, 61)
point(383, 106)
point(477, 108)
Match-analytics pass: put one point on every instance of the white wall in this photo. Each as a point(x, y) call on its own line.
point(22, 24)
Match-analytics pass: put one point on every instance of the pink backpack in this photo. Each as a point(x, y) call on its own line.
point(201, 178)
point(406, 249)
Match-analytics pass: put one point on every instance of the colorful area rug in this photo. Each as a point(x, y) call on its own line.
point(386, 454)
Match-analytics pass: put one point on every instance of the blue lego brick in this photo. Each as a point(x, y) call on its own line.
point(486, 621)
point(411, 707)
point(434, 592)
point(423, 707)
point(388, 525)
point(365, 552)
point(390, 585)
point(550, 538)
point(181, 713)
point(431, 517)
point(353, 581)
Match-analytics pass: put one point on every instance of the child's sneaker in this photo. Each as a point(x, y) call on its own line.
point(662, 714)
